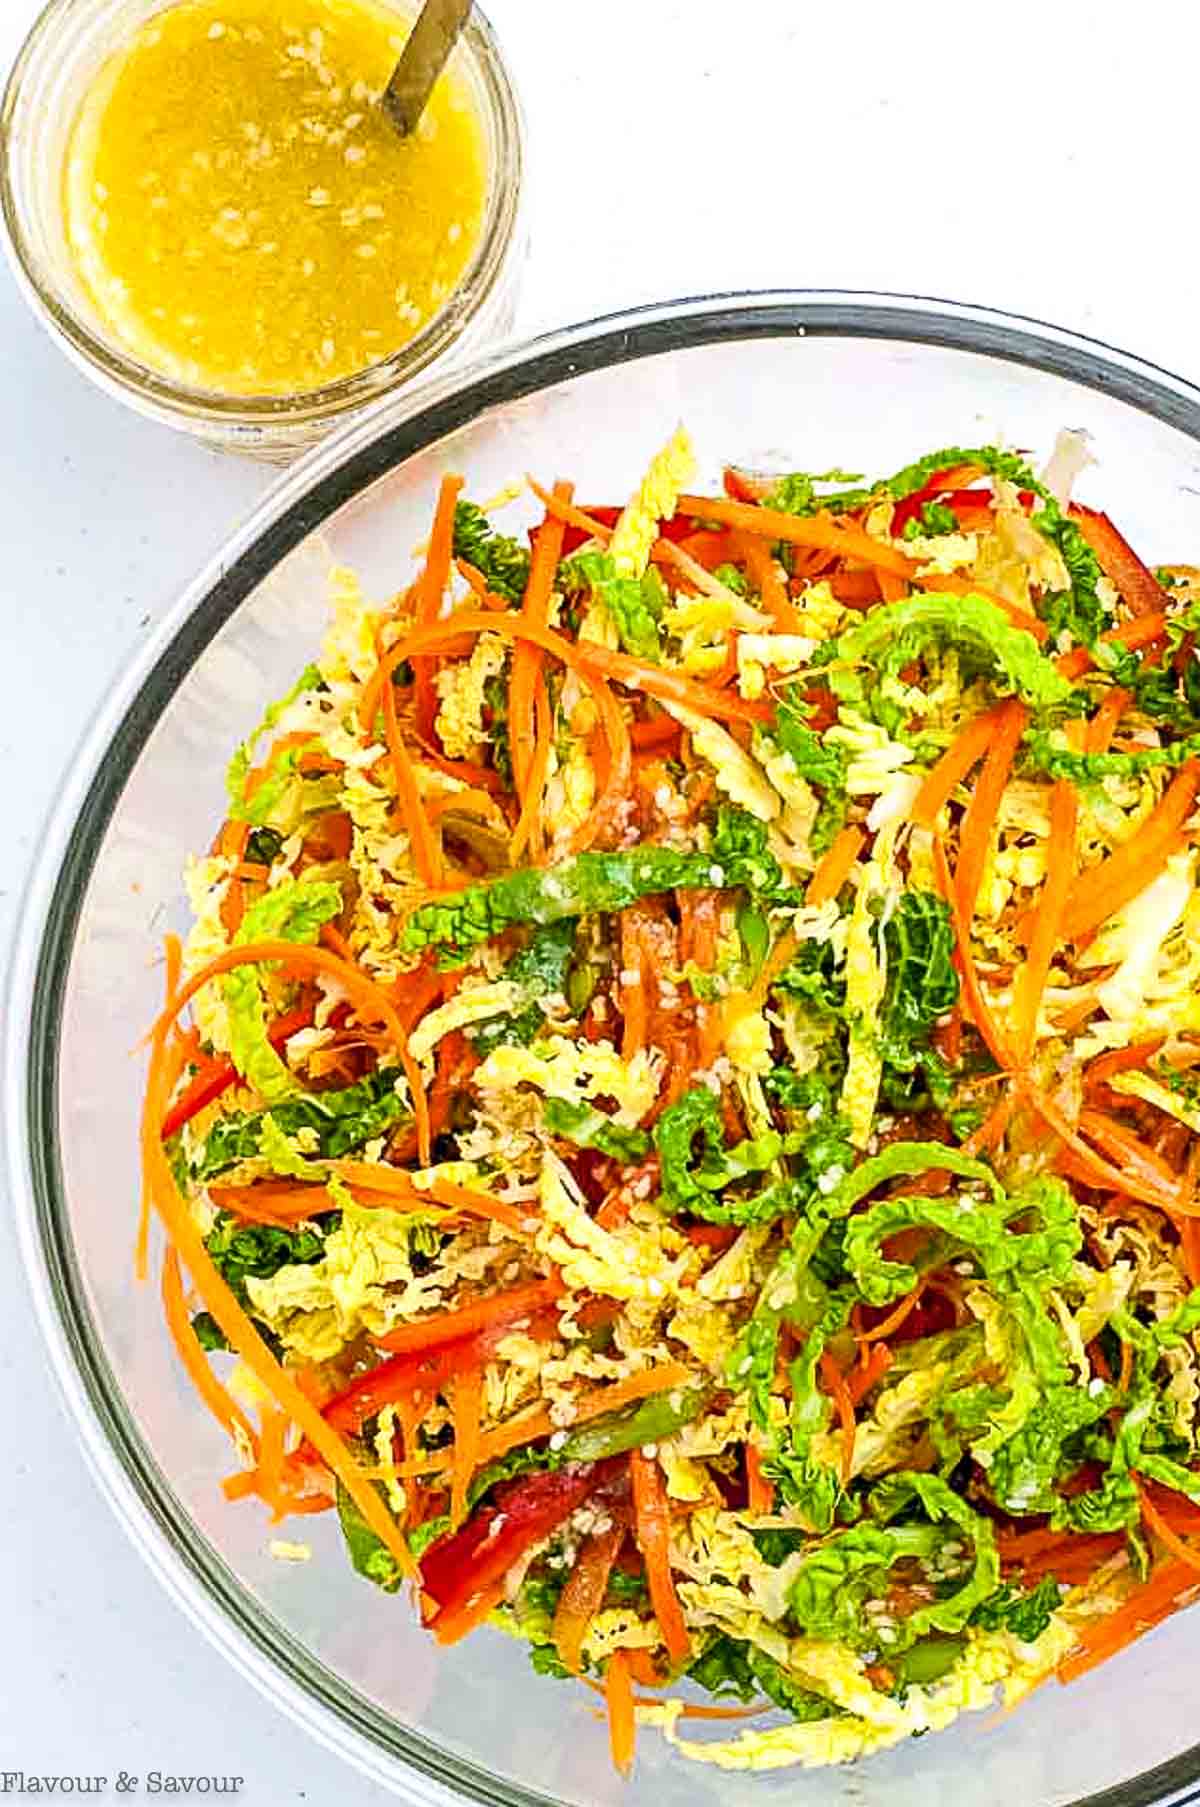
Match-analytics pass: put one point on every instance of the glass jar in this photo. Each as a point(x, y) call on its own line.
point(62, 56)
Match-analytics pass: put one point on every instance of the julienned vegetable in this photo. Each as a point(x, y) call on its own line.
point(689, 1116)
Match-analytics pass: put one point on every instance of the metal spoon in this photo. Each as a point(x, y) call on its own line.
point(422, 60)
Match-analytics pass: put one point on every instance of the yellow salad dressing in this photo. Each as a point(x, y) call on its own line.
point(242, 212)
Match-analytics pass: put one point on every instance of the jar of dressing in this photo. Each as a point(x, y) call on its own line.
point(209, 209)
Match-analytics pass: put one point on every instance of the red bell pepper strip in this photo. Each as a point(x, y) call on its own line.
point(462, 1573)
point(211, 1081)
point(1140, 589)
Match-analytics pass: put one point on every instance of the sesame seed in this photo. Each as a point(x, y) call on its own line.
point(318, 197)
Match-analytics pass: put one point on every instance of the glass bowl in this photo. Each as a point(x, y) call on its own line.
point(809, 380)
point(59, 60)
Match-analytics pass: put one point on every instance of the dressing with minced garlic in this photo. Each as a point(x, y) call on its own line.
point(242, 213)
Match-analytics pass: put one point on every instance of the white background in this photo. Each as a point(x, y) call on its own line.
point(1039, 157)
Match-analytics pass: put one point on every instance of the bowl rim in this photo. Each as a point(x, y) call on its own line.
point(119, 371)
point(372, 444)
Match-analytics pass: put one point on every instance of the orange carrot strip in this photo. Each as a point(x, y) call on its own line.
point(426, 853)
point(430, 589)
point(669, 687)
point(766, 578)
point(562, 509)
point(1103, 724)
point(975, 831)
point(527, 658)
point(270, 1461)
point(228, 1414)
point(895, 1318)
point(396, 1181)
point(468, 1320)
point(514, 627)
point(1183, 1552)
point(653, 1531)
point(468, 1413)
point(1099, 1172)
point(1142, 630)
point(835, 1386)
point(835, 866)
point(583, 1595)
point(367, 997)
point(528, 831)
point(958, 759)
point(864, 1375)
point(822, 531)
point(592, 1404)
point(237, 1327)
point(1144, 1608)
point(1124, 1145)
point(1105, 888)
point(760, 1492)
point(1140, 590)
point(635, 1016)
point(1029, 985)
point(994, 1038)
point(622, 1717)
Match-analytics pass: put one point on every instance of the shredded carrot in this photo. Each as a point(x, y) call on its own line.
point(1103, 724)
point(525, 683)
point(765, 577)
point(236, 1326)
point(867, 1374)
point(1144, 1608)
point(1140, 590)
point(442, 635)
point(1138, 1161)
point(592, 1404)
point(583, 1596)
point(653, 1531)
point(399, 1183)
point(835, 1386)
point(894, 1319)
point(994, 1038)
point(760, 1492)
point(823, 532)
point(1029, 984)
point(991, 1130)
point(367, 997)
point(468, 1320)
point(430, 589)
point(975, 832)
point(427, 856)
point(528, 832)
point(622, 1716)
point(670, 687)
point(634, 1013)
point(560, 508)
point(271, 1460)
point(1142, 630)
point(1107, 887)
point(959, 758)
point(1099, 1172)
point(835, 866)
point(228, 1414)
point(467, 1398)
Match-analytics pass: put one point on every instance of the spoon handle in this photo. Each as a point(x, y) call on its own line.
point(422, 60)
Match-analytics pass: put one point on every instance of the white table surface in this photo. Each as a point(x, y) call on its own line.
point(1037, 157)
